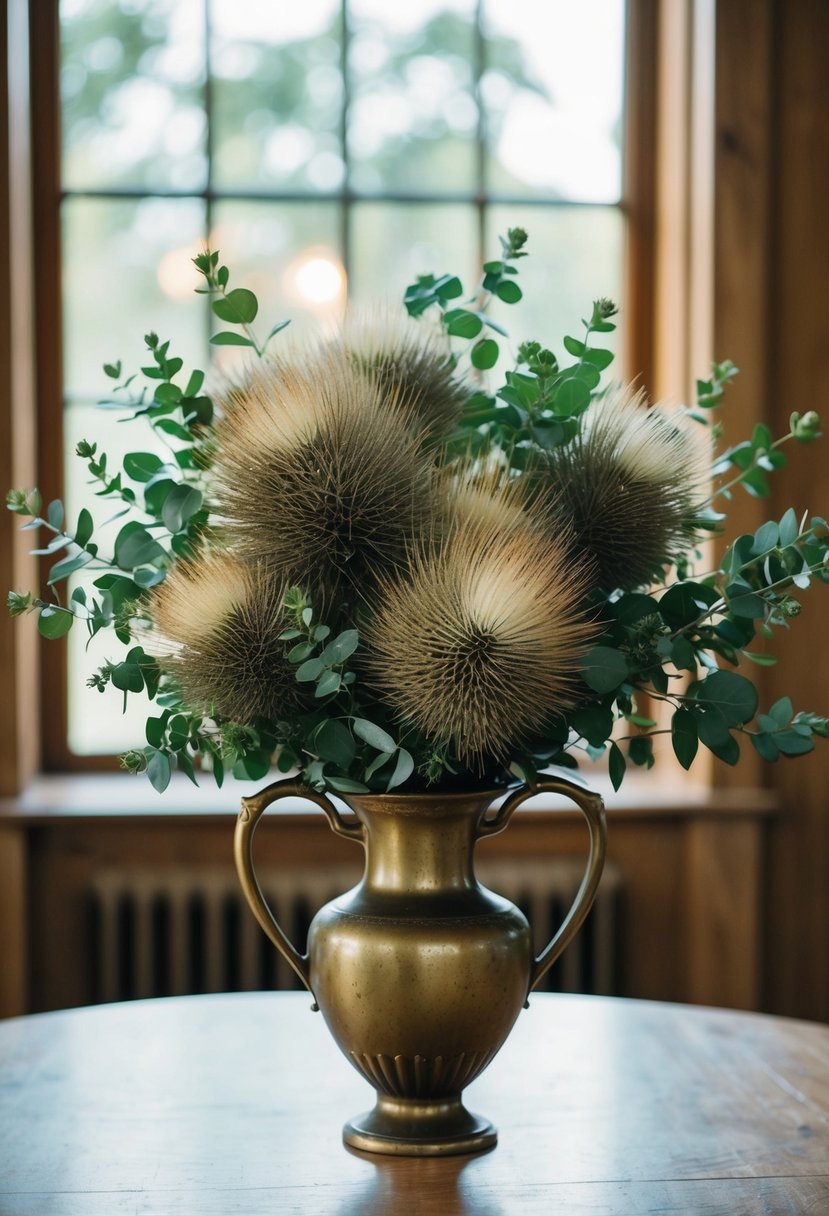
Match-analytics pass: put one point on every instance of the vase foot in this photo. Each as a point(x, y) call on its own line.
point(416, 1127)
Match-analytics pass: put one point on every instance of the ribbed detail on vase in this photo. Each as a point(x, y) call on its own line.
point(419, 1077)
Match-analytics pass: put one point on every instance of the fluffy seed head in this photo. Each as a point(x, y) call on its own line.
point(488, 501)
point(411, 361)
point(319, 476)
point(479, 642)
point(628, 486)
point(216, 625)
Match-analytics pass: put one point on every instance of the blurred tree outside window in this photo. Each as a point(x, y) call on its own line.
point(329, 149)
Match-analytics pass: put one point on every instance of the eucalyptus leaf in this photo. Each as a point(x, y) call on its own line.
point(141, 466)
point(180, 505)
point(604, 668)
point(333, 741)
point(732, 694)
point(239, 307)
point(53, 623)
point(328, 683)
point(374, 735)
point(402, 770)
point(684, 737)
point(616, 765)
point(159, 770)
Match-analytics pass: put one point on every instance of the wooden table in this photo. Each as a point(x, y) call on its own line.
point(233, 1104)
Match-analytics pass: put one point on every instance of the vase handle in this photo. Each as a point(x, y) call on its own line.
point(252, 810)
point(592, 807)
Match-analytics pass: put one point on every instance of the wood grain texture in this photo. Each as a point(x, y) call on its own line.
point(19, 735)
point(772, 259)
point(799, 889)
point(743, 301)
point(14, 923)
point(650, 844)
point(234, 1104)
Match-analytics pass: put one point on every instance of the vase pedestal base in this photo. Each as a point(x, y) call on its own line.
point(416, 1127)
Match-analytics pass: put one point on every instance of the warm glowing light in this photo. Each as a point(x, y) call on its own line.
point(316, 278)
point(177, 276)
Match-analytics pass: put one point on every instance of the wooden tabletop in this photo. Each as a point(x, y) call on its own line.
point(216, 1105)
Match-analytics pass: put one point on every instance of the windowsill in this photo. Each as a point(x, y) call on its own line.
point(118, 796)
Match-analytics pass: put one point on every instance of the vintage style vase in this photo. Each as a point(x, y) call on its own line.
point(419, 971)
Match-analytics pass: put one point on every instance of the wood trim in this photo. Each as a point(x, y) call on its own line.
point(669, 316)
point(14, 921)
point(45, 61)
point(743, 297)
point(772, 265)
point(799, 379)
point(639, 189)
point(18, 638)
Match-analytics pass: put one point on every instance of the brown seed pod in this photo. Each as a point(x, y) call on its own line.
point(317, 476)
point(478, 644)
point(216, 626)
point(412, 362)
point(628, 487)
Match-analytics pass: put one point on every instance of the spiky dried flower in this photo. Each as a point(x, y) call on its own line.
point(411, 361)
point(319, 475)
point(216, 626)
point(485, 498)
point(479, 643)
point(628, 486)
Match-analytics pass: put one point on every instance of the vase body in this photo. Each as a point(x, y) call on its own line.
point(419, 971)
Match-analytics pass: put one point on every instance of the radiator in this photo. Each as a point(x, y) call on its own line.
point(171, 931)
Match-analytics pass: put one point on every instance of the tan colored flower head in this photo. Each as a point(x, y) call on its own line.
point(479, 642)
point(485, 498)
point(216, 625)
point(412, 362)
point(628, 486)
point(318, 477)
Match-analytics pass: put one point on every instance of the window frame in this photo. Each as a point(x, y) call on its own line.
point(636, 206)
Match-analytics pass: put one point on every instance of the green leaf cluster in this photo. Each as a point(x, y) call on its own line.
point(677, 643)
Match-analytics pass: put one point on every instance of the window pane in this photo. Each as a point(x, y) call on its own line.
point(277, 94)
point(556, 133)
point(127, 271)
point(289, 255)
point(412, 115)
point(575, 256)
point(132, 93)
point(392, 244)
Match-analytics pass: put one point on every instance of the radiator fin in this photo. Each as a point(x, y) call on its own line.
point(177, 930)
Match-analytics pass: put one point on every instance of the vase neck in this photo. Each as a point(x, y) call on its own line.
point(420, 843)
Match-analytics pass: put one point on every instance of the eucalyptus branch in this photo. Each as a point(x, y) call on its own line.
point(722, 604)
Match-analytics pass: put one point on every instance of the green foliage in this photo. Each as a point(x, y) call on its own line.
point(677, 643)
point(238, 306)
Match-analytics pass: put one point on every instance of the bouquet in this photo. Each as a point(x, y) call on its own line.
point(365, 560)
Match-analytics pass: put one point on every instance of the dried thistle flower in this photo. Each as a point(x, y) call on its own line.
point(479, 642)
point(485, 499)
point(319, 476)
point(411, 361)
point(216, 626)
point(628, 486)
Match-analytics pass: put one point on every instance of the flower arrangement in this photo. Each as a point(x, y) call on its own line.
point(360, 562)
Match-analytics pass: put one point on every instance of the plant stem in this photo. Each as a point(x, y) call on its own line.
point(735, 481)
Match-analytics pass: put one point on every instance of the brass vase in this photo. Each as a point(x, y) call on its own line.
point(420, 972)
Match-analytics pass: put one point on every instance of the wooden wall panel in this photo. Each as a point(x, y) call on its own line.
point(684, 927)
point(771, 270)
point(799, 373)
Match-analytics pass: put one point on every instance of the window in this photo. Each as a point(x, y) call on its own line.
point(339, 147)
